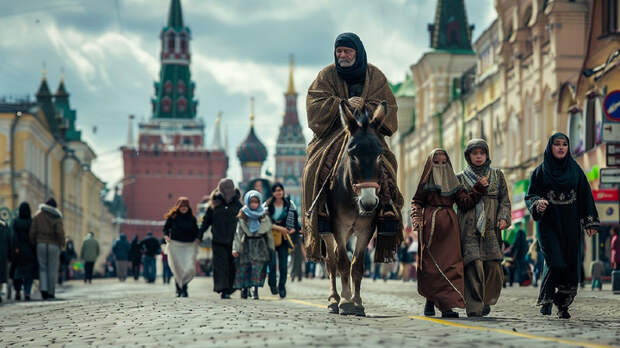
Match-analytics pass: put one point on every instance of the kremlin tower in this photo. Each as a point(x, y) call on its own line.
point(251, 153)
point(170, 158)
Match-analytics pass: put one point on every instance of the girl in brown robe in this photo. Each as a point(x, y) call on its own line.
point(440, 263)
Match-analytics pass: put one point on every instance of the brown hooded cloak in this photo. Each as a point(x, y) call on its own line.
point(440, 264)
point(322, 105)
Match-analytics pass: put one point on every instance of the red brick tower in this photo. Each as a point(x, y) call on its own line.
point(170, 158)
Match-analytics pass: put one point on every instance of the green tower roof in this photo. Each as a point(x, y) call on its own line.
point(451, 30)
point(175, 16)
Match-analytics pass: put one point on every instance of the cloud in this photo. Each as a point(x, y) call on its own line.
point(110, 56)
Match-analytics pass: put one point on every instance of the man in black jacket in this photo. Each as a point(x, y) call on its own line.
point(151, 248)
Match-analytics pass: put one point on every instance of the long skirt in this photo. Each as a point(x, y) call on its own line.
point(250, 274)
point(223, 268)
point(182, 260)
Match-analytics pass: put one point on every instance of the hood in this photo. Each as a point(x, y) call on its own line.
point(51, 211)
point(217, 197)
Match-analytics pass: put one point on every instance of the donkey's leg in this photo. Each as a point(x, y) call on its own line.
point(357, 267)
point(344, 269)
point(330, 266)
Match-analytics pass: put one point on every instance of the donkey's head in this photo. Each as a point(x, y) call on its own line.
point(363, 151)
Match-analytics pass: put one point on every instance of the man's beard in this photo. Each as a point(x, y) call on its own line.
point(346, 63)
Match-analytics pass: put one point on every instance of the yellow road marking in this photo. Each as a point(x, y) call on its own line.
point(513, 333)
point(482, 328)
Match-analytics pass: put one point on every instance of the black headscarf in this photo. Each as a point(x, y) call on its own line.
point(24, 211)
point(357, 72)
point(560, 174)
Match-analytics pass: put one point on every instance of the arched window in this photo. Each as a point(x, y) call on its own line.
point(181, 104)
point(513, 140)
point(168, 87)
point(171, 42)
point(166, 103)
point(575, 131)
point(181, 87)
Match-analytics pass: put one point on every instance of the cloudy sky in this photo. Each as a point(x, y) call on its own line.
point(109, 49)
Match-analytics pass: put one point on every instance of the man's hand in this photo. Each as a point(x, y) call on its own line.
point(291, 231)
point(356, 102)
point(503, 224)
point(542, 205)
point(417, 222)
point(235, 254)
point(590, 232)
point(167, 238)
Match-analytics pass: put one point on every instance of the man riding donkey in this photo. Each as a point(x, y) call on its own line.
point(346, 93)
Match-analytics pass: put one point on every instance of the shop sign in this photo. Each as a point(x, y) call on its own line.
point(606, 195)
point(608, 213)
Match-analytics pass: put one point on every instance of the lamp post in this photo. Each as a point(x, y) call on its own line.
point(16, 119)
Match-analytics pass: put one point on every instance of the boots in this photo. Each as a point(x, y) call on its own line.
point(256, 292)
point(563, 313)
point(486, 310)
point(244, 293)
point(429, 309)
point(18, 295)
point(45, 295)
point(449, 314)
point(178, 289)
point(184, 291)
point(546, 308)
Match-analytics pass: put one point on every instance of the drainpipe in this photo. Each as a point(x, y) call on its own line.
point(462, 129)
point(69, 154)
point(47, 156)
point(16, 119)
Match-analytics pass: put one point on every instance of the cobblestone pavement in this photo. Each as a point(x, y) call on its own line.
point(134, 314)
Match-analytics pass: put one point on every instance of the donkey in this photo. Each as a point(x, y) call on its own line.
point(352, 206)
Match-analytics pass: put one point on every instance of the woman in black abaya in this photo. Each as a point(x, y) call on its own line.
point(560, 198)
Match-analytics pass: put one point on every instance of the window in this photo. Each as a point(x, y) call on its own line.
point(181, 87)
point(171, 43)
point(165, 104)
point(575, 130)
point(610, 16)
point(593, 122)
point(181, 104)
point(168, 87)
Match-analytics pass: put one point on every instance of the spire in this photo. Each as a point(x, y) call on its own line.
point(44, 90)
point(251, 112)
point(451, 30)
point(291, 85)
point(175, 16)
point(217, 142)
point(130, 141)
point(61, 92)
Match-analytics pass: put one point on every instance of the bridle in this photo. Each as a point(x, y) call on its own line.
point(357, 188)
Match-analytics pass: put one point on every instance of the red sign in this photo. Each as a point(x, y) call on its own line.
point(518, 214)
point(606, 195)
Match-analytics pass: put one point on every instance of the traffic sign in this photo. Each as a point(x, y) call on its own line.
point(611, 106)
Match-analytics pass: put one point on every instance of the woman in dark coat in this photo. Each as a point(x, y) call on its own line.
point(440, 263)
point(561, 200)
point(24, 252)
point(283, 213)
point(135, 256)
point(221, 216)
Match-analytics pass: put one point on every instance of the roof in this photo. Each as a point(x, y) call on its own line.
point(252, 149)
point(404, 88)
point(175, 15)
point(450, 29)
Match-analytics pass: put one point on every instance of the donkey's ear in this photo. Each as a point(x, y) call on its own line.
point(379, 116)
point(346, 117)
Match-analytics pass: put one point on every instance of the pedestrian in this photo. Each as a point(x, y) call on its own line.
point(24, 252)
point(221, 216)
point(89, 254)
point(440, 266)
point(518, 270)
point(48, 234)
point(406, 259)
point(597, 270)
point(67, 255)
point(283, 214)
point(150, 248)
point(121, 255)
point(135, 256)
point(166, 271)
point(537, 261)
point(615, 249)
point(182, 238)
point(5, 256)
point(481, 228)
point(253, 245)
point(560, 198)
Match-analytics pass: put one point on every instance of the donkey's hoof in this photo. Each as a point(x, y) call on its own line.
point(352, 309)
point(333, 308)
